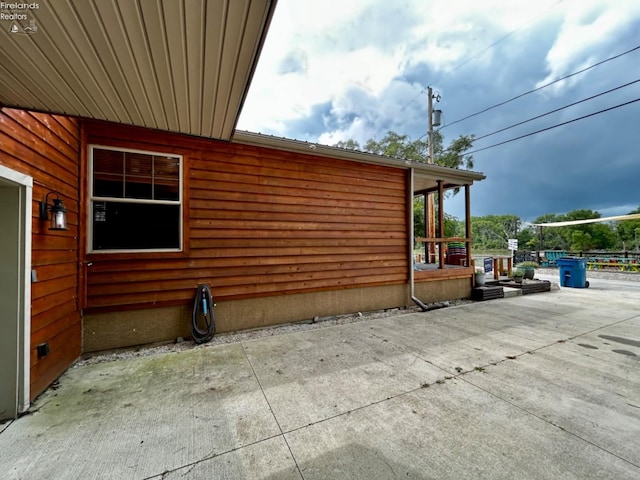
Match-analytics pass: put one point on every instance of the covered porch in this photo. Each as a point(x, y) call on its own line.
point(436, 255)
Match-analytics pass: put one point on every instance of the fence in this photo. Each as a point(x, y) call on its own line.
point(619, 261)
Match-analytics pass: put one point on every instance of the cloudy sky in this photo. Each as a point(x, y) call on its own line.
point(355, 69)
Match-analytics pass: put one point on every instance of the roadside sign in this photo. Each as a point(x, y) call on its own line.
point(513, 243)
point(488, 264)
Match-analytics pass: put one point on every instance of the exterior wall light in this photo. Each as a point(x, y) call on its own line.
point(58, 212)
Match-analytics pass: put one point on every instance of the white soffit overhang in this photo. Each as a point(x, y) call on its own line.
point(175, 65)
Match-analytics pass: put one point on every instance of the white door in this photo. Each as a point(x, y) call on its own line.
point(15, 291)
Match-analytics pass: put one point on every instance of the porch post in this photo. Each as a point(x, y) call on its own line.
point(441, 222)
point(429, 250)
point(467, 221)
point(411, 236)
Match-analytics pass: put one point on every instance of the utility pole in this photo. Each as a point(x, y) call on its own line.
point(430, 124)
point(431, 220)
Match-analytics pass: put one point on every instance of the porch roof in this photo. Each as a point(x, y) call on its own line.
point(179, 66)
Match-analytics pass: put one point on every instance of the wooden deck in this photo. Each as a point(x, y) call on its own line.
point(430, 271)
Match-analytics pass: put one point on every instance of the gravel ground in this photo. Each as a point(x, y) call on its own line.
point(232, 337)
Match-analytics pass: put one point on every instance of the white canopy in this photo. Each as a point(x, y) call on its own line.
point(632, 216)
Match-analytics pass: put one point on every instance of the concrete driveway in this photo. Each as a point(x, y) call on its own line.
point(539, 386)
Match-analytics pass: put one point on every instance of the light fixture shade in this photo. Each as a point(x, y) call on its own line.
point(58, 218)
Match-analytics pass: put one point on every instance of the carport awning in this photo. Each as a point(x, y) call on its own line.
point(175, 65)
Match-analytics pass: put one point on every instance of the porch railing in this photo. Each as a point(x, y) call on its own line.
point(441, 242)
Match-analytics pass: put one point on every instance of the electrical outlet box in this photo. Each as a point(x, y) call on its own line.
point(34, 276)
point(43, 350)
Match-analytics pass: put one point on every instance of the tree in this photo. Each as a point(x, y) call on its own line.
point(629, 232)
point(401, 146)
point(588, 236)
point(453, 227)
point(486, 235)
point(419, 228)
point(492, 232)
point(454, 156)
point(580, 241)
point(348, 145)
point(584, 237)
point(398, 146)
point(551, 237)
point(527, 239)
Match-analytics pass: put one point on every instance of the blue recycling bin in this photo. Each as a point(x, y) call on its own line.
point(573, 272)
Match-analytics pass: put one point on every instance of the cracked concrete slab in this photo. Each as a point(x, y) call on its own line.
point(308, 379)
point(589, 394)
point(449, 431)
point(538, 386)
point(135, 418)
point(266, 460)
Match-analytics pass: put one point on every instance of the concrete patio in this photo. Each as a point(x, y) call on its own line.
point(537, 386)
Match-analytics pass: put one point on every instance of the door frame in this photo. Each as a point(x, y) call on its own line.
point(24, 183)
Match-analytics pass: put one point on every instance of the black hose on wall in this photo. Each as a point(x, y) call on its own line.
point(203, 324)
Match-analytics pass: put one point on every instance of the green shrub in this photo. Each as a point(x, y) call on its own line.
point(527, 265)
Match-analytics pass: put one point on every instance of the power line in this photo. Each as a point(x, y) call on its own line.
point(411, 101)
point(473, 57)
point(541, 87)
point(556, 110)
point(553, 126)
point(496, 42)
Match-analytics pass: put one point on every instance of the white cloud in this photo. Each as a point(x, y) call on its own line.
point(336, 49)
point(587, 25)
point(353, 69)
point(454, 31)
point(357, 129)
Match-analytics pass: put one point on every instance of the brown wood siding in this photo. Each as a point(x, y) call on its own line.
point(260, 222)
point(46, 147)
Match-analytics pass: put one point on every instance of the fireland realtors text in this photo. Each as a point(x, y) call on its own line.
point(19, 7)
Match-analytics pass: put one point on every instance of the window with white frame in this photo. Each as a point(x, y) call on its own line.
point(136, 200)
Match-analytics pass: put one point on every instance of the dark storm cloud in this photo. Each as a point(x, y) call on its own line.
point(416, 74)
point(312, 125)
point(589, 164)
